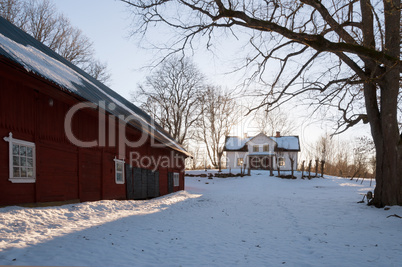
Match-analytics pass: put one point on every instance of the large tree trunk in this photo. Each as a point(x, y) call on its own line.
point(383, 118)
point(388, 189)
point(220, 162)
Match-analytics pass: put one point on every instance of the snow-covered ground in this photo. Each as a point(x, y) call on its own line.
point(250, 221)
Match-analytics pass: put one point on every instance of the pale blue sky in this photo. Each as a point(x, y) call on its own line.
point(107, 24)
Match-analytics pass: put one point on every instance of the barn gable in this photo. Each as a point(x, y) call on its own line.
point(40, 163)
point(37, 58)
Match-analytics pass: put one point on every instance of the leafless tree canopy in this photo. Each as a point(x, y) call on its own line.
point(41, 19)
point(298, 34)
point(345, 158)
point(342, 54)
point(172, 94)
point(269, 122)
point(219, 115)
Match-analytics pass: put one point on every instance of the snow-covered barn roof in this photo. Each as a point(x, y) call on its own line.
point(283, 143)
point(39, 59)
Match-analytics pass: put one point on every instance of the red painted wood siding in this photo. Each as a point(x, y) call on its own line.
point(34, 110)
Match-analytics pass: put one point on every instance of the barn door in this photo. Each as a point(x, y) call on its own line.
point(129, 182)
point(170, 182)
point(137, 182)
point(156, 174)
point(144, 183)
point(152, 184)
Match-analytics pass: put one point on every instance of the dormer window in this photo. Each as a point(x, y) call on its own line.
point(265, 148)
point(256, 148)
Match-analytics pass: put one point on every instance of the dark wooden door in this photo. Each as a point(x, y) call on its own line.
point(170, 182)
point(152, 184)
point(129, 182)
point(265, 163)
point(139, 187)
point(255, 162)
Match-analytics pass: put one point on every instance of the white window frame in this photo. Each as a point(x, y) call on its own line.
point(116, 163)
point(256, 148)
point(281, 161)
point(265, 148)
point(20, 179)
point(176, 179)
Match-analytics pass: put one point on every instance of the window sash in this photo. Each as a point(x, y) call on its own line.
point(119, 175)
point(265, 148)
point(176, 179)
point(256, 148)
point(22, 160)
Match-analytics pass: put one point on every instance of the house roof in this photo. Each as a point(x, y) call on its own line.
point(235, 143)
point(287, 143)
point(35, 57)
point(283, 143)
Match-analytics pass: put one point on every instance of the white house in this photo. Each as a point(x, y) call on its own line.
point(262, 151)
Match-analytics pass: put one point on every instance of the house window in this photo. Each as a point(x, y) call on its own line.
point(256, 148)
point(265, 148)
point(240, 162)
point(176, 180)
point(281, 162)
point(21, 160)
point(119, 171)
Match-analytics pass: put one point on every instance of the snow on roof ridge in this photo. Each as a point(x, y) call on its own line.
point(237, 142)
point(67, 76)
point(29, 57)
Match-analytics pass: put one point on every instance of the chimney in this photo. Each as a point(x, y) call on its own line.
point(278, 134)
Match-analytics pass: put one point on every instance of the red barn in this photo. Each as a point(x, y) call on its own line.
point(67, 137)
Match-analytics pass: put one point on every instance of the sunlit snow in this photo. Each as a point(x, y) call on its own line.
point(35, 60)
point(244, 221)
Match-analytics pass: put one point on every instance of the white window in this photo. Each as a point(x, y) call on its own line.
point(265, 148)
point(256, 148)
point(281, 161)
point(176, 179)
point(119, 171)
point(21, 160)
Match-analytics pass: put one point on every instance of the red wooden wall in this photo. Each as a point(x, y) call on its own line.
point(33, 109)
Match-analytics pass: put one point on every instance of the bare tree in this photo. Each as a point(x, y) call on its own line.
point(196, 161)
point(10, 10)
point(269, 122)
point(98, 70)
point(325, 148)
point(219, 115)
point(40, 19)
point(172, 95)
point(343, 54)
point(292, 158)
point(345, 158)
point(279, 157)
point(325, 151)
